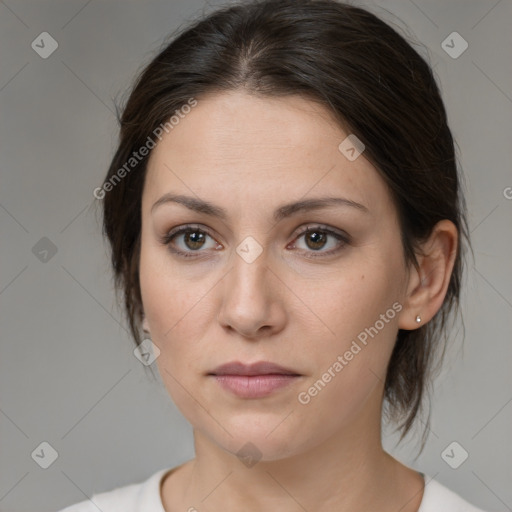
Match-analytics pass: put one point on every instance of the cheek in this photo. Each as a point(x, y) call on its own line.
point(350, 367)
point(361, 312)
point(354, 301)
point(176, 315)
point(167, 295)
point(334, 403)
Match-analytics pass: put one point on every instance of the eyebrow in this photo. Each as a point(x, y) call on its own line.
point(287, 210)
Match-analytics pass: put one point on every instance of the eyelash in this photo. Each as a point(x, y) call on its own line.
point(168, 238)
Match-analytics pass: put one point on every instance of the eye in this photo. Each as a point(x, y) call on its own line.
point(321, 240)
point(190, 241)
point(186, 240)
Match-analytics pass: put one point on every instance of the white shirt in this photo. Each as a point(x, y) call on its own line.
point(145, 497)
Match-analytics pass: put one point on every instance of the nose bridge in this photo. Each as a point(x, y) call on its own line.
point(248, 281)
point(248, 298)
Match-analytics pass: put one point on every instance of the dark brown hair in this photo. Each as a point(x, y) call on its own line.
point(369, 77)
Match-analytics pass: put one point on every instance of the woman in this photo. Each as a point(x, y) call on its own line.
point(287, 227)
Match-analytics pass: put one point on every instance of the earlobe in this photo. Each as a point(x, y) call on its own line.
point(428, 282)
point(145, 325)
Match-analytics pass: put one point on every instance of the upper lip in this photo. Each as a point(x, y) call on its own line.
point(259, 368)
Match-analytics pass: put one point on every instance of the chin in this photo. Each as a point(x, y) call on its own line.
point(266, 438)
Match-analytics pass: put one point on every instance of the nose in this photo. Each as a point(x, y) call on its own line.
point(252, 302)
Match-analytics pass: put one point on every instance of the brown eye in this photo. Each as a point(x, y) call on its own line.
point(189, 241)
point(315, 239)
point(194, 239)
point(318, 241)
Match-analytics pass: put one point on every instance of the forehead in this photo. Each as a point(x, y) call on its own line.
point(232, 125)
point(235, 145)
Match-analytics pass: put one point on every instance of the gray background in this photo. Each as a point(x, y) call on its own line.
point(68, 375)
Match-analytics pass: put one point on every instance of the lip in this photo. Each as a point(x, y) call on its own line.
point(255, 380)
point(259, 368)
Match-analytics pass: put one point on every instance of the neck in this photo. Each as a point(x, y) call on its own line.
point(348, 471)
point(315, 480)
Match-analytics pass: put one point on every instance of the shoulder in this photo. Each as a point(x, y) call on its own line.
point(130, 498)
point(438, 497)
point(119, 499)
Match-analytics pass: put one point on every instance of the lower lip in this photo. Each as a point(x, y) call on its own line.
point(254, 386)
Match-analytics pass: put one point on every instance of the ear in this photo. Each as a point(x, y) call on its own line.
point(428, 283)
point(145, 325)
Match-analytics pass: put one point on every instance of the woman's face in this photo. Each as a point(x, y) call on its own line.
point(248, 284)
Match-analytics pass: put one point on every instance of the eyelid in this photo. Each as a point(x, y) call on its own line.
point(340, 235)
point(343, 239)
point(185, 227)
point(321, 227)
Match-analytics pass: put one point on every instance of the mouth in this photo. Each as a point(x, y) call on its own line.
point(254, 380)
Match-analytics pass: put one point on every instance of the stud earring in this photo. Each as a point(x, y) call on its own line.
point(418, 319)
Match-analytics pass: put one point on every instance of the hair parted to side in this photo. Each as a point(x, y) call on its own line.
point(370, 78)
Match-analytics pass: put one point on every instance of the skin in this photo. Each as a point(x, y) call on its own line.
point(250, 155)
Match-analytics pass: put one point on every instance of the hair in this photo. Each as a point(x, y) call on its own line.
point(374, 83)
